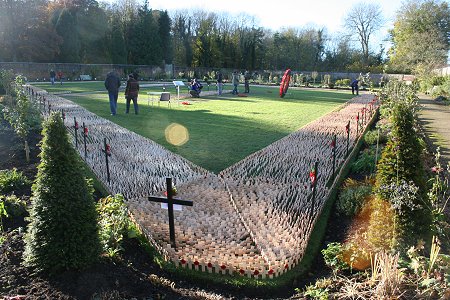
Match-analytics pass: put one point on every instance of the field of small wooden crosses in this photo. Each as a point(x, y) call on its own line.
point(258, 169)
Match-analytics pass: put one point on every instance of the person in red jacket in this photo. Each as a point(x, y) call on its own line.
point(131, 93)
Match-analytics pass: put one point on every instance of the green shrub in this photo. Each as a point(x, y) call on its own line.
point(371, 137)
point(15, 207)
point(114, 223)
point(63, 232)
point(12, 180)
point(365, 164)
point(401, 161)
point(343, 82)
point(351, 199)
point(333, 256)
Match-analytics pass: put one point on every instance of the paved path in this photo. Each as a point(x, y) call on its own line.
point(435, 119)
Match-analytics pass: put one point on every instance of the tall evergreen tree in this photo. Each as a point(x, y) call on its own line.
point(63, 233)
point(164, 25)
point(118, 51)
point(66, 27)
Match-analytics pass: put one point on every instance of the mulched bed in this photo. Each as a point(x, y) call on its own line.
point(132, 276)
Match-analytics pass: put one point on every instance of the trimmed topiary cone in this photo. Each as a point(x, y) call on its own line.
point(63, 232)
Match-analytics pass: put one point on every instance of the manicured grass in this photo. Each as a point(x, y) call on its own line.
point(222, 130)
point(96, 86)
point(74, 87)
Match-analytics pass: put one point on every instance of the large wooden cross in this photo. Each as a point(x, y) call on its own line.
point(170, 202)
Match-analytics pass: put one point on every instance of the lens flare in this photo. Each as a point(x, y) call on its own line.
point(177, 134)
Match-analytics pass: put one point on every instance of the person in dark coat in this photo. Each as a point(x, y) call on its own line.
point(112, 84)
point(52, 76)
point(354, 86)
point(247, 77)
point(131, 93)
point(196, 88)
point(219, 83)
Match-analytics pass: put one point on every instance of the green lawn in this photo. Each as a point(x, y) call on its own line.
point(222, 130)
point(95, 86)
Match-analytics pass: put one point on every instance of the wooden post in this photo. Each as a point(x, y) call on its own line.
point(347, 128)
point(107, 150)
point(75, 126)
point(85, 132)
point(170, 202)
point(376, 151)
point(357, 124)
point(333, 149)
point(313, 175)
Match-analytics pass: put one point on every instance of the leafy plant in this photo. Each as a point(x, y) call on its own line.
point(381, 233)
point(439, 195)
point(333, 256)
point(316, 292)
point(12, 180)
point(432, 273)
point(3, 213)
point(371, 137)
point(365, 164)
point(351, 199)
point(113, 221)
point(14, 206)
point(63, 232)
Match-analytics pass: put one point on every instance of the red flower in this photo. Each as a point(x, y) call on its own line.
point(183, 261)
point(436, 169)
point(241, 271)
point(271, 272)
point(196, 263)
point(209, 265)
point(223, 267)
point(312, 176)
point(256, 273)
point(286, 266)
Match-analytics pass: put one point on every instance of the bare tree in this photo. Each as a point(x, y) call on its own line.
point(364, 19)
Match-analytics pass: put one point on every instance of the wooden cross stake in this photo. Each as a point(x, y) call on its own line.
point(107, 150)
point(347, 129)
point(75, 126)
point(170, 202)
point(85, 133)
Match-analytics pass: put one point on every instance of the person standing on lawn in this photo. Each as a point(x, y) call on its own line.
point(219, 83)
point(112, 84)
point(247, 77)
point(131, 93)
point(235, 82)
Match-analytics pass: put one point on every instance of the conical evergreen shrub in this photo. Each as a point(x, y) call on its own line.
point(400, 164)
point(63, 232)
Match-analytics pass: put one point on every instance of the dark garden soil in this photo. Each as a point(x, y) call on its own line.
point(132, 276)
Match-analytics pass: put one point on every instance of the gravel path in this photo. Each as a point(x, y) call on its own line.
point(435, 119)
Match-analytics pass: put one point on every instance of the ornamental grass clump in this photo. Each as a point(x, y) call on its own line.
point(63, 232)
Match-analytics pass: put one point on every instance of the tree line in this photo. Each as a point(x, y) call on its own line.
point(131, 32)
